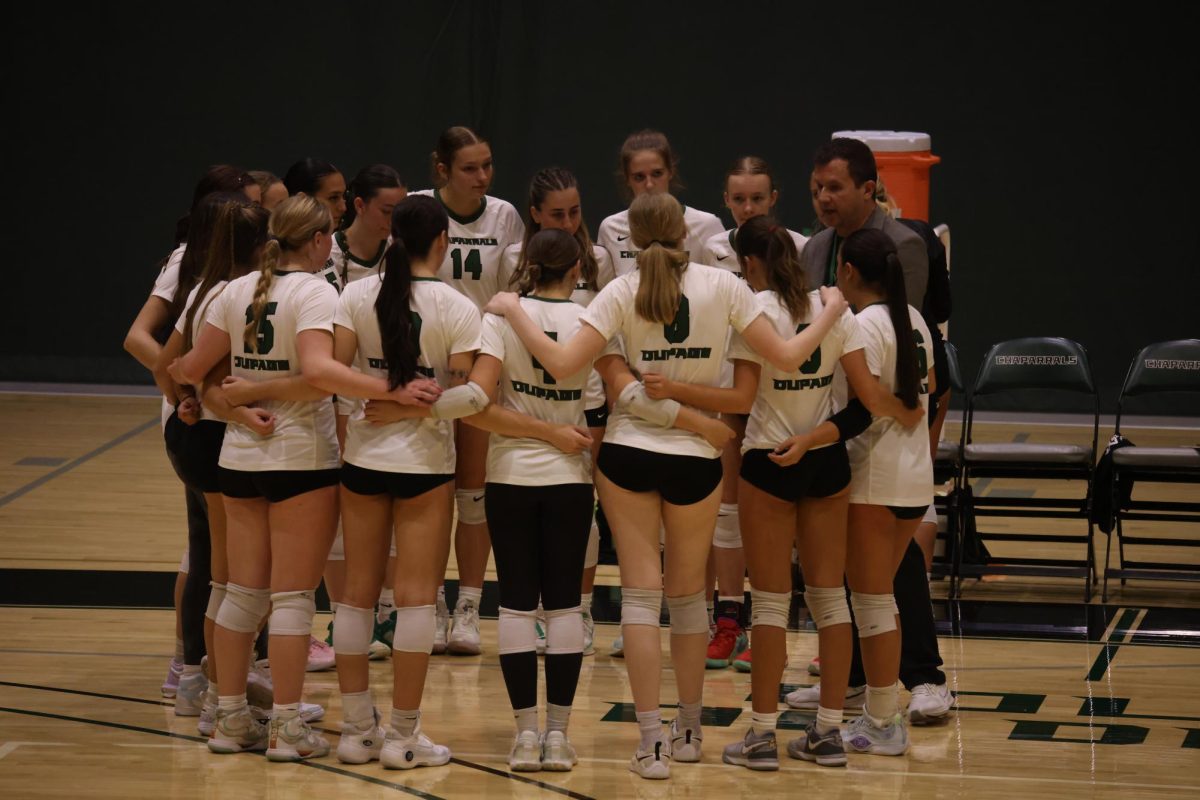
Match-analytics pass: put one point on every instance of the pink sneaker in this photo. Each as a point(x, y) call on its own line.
point(320, 655)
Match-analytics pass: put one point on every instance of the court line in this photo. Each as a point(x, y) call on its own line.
point(185, 737)
point(70, 465)
point(83, 693)
point(520, 778)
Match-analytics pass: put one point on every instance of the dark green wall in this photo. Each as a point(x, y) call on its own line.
point(1067, 172)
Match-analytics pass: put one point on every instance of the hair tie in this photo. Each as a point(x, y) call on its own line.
point(658, 242)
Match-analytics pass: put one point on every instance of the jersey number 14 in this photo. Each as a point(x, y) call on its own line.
point(473, 264)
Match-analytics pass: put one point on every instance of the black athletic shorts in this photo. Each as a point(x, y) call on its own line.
point(908, 512)
point(819, 473)
point(194, 451)
point(275, 485)
point(681, 480)
point(398, 485)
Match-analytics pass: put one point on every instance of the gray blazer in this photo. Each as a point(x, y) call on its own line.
point(909, 246)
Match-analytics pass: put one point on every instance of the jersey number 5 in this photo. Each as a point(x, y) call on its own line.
point(677, 332)
point(264, 337)
point(547, 378)
point(473, 265)
point(814, 361)
point(922, 359)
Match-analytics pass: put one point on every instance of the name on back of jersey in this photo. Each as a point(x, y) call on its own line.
point(544, 393)
point(482, 241)
point(381, 364)
point(264, 364)
point(676, 352)
point(799, 384)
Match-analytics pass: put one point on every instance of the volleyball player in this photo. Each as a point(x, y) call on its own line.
point(481, 227)
point(270, 187)
point(672, 316)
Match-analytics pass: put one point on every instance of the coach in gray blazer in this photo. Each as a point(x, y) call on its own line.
point(844, 179)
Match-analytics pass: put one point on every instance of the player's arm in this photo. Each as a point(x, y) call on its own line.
point(735, 400)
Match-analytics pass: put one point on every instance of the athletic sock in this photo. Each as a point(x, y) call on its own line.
point(689, 715)
point(231, 704)
point(650, 726)
point(358, 707)
point(212, 697)
point(387, 604)
point(882, 703)
point(285, 710)
point(763, 722)
point(828, 719)
point(527, 719)
point(405, 722)
point(189, 669)
point(557, 717)
point(469, 593)
point(585, 602)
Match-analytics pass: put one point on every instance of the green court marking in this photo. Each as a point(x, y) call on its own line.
point(1192, 739)
point(1010, 702)
point(1045, 731)
point(1109, 651)
point(718, 716)
point(1115, 707)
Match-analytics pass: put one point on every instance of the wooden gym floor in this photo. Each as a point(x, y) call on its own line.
point(1056, 698)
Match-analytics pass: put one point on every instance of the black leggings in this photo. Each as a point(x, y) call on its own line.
point(539, 537)
point(196, 587)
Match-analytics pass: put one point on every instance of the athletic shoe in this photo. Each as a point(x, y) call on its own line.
point(726, 644)
point(171, 684)
point(654, 764)
point(361, 743)
point(539, 627)
point(824, 748)
point(237, 732)
point(441, 627)
point(189, 695)
point(208, 718)
point(685, 744)
point(930, 702)
point(526, 752)
point(320, 655)
point(756, 751)
point(814, 667)
point(260, 691)
point(412, 751)
point(809, 698)
point(742, 662)
point(557, 753)
point(589, 633)
point(381, 642)
point(864, 736)
point(618, 648)
point(464, 633)
point(293, 740)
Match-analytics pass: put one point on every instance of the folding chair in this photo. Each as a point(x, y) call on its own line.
point(1162, 368)
point(947, 466)
point(1018, 368)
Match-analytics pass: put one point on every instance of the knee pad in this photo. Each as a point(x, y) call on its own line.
point(641, 606)
point(243, 608)
point(185, 561)
point(827, 606)
point(414, 629)
point(591, 556)
point(689, 614)
point(564, 631)
point(516, 632)
point(337, 551)
point(873, 613)
point(292, 613)
point(728, 533)
point(216, 596)
point(470, 506)
point(769, 608)
point(353, 629)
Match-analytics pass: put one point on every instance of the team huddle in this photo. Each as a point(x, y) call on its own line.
point(357, 377)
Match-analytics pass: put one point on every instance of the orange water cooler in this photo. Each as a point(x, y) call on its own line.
point(903, 159)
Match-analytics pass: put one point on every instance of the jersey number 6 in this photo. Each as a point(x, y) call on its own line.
point(677, 332)
point(265, 335)
point(814, 361)
point(547, 378)
point(474, 264)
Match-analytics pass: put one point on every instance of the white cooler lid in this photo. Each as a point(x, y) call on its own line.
point(890, 141)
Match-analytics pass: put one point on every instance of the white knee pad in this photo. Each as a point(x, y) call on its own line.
point(353, 629)
point(292, 613)
point(769, 608)
point(827, 605)
point(564, 631)
point(516, 632)
point(186, 560)
point(414, 629)
point(873, 613)
point(689, 614)
point(470, 506)
point(337, 551)
point(728, 533)
point(591, 556)
point(641, 606)
point(216, 596)
point(243, 608)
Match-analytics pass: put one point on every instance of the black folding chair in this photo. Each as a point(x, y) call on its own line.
point(1159, 369)
point(1021, 369)
point(947, 466)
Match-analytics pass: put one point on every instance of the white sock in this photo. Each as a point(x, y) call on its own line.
point(212, 697)
point(232, 704)
point(585, 602)
point(882, 703)
point(650, 726)
point(557, 717)
point(469, 594)
point(405, 722)
point(763, 721)
point(358, 707)
point(828, 719)
point(689, 715)
point(527, 719)
point(285, 710)
point(386, 605)
point(190, 669)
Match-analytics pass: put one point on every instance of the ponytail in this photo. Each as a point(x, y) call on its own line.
point(549, 256)
point(401, 347)
point(656, 227)
point(262, 289)
point(772, 244)
point(240, 230)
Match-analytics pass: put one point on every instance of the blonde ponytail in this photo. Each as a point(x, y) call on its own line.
point(262, 289)
point(657, 229)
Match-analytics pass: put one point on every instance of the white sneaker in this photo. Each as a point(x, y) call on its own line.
point(412, 751)
point(557, 753)
point(378, 651)
point(809, 698)
point(260, 691)
point(464, 633)
point(208, 714)
point(361, 743)
point(320, 655)
point(189, 696)
point(618, 647)
point(238, 732)
point(864, 736)
point(293, 740)
point(654, 765)
point(526, 752)
point(589, 634)
point(685, 744)
point(441, 626)
point(929, 703)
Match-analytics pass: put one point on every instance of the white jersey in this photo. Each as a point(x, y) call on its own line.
point(197, 326)
point(343, 267)
point(477, 242)
point(529, 389)
point(719, 250)
point(791, 403)
point(447, 323)
point(164, 289)
point(889, 464)
point(304, 437)
point(691, 349)
point(613, 236)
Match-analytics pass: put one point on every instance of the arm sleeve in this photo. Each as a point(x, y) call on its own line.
point(851, 420)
